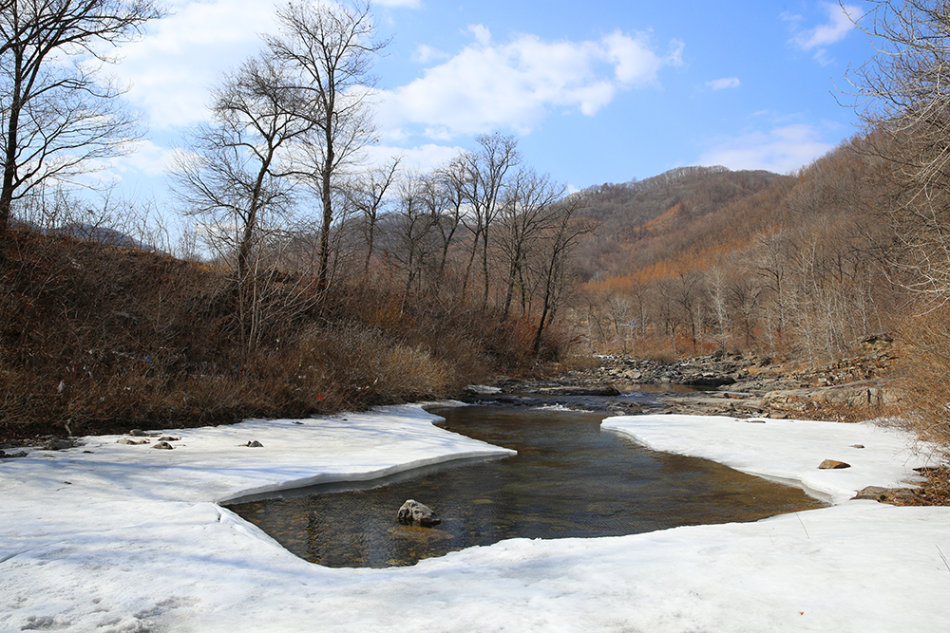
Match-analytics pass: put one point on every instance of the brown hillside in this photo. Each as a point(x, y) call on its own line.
point(99, 338)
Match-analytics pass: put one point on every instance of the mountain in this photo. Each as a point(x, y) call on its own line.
point(633, 219)
point(706, 258)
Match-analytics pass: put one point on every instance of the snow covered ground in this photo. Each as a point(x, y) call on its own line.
point(110, 537)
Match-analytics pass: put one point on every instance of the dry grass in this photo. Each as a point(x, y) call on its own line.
point(101, 339)
point(924, 375)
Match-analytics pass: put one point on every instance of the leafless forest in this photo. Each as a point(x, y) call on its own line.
point(310, 282)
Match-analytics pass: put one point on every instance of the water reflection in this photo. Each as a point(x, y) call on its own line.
point(569, 479)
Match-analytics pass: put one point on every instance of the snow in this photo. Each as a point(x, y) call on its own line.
point(129, 539)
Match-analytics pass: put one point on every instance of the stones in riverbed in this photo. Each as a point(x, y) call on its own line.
point(131, 442)
point(833, 464)
point(253, 444)
point(164, 446)
point(885, 495)
point(413, 512)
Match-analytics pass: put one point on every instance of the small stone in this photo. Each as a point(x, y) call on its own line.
point(169, 438)
point(131, 442)
point(857, 446)
point(137, 433)
point(254, 444)
point(833, 464)
point(5, 455)
point(165, 446)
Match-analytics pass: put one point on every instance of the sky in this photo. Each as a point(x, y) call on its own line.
point(594, 92)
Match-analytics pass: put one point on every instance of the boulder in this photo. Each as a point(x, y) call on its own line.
point(413, 512)
point(833, 464)
point(885, 495)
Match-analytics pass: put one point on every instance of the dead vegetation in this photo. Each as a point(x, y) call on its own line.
point(97, 338)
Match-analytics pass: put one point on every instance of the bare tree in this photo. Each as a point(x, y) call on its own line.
point(554, 269)
point(236, 178)
point(368, 196)
point(527, 212)
point(452, 180)
point(488, 168)
point(57, 117)
point(330, 48)
point(415, 221)
point(904, 98)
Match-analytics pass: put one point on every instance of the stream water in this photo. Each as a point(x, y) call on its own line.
point(569, 479)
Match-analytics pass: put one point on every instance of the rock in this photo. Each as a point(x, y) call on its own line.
point(877, 493)
point(414, 512)
point(833, 464)
point(169, 438)
point(482, 390)
point(56, 444)
point(606, 390)
point(137, 433)
point(165, 446)
point(6, 455)
point(131, 442)
point(857, 446)
point(254, 444)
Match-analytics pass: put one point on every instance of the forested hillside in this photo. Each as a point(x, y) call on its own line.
point(703, 259)
point(633, 219)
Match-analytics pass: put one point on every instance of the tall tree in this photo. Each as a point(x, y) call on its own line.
point(554, 269)
point(488, 168)
point(368, 196)
point(57, 117)
point(237, 176)
point(527, 212)
point(329, 47)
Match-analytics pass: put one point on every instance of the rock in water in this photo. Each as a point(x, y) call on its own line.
point(414, 512)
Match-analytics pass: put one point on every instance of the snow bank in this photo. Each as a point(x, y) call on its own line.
point(128, 539)
point(788, 451)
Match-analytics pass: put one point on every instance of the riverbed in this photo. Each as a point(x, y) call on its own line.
point(568, 478)
point(124, 539)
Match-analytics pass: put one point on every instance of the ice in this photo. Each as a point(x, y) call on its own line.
point(128, 538)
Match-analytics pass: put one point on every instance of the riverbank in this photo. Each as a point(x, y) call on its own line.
point(123, 538)
point(740, 385)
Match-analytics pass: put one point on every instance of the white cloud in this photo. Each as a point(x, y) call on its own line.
point(513, 85)
point(818, 38)
point(420, 159)
point(173, 68)
point(724, 84)
point(145, 157)
point(783, 149)
point(425, 54)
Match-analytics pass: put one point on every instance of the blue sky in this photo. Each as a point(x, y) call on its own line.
point(598, 91)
